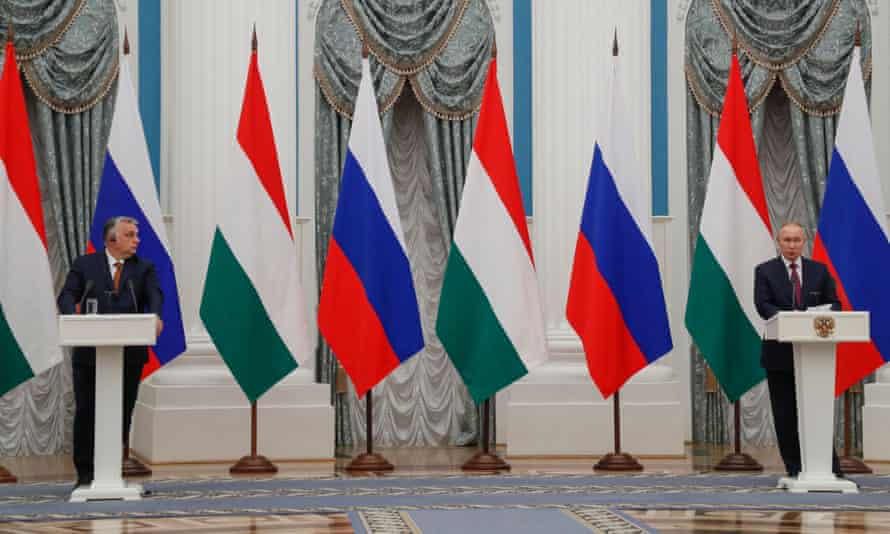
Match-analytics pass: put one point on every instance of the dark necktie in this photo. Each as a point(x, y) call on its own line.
point(117, 274)
point(795, 283)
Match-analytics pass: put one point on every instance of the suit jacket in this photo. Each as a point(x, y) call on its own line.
point(138, 280)
point(773, 293)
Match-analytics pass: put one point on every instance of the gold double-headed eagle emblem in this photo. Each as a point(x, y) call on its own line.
point(824, 326)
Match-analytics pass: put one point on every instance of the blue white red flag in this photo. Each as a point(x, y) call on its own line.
point(127, 188)
point(852, 235)
point(616, 302)
point(368, 309)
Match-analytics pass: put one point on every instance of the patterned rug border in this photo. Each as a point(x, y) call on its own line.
point(199, 479)
point(597, 518)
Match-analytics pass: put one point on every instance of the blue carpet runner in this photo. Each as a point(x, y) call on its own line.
point(220, 496)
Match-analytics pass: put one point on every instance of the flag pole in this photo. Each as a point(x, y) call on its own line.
point(617, 461)
point(254, 463)
point(485, 460)
point(369, 461)
point(5, 476)
point(130, 466)
point(738, 460)
point(850, 464)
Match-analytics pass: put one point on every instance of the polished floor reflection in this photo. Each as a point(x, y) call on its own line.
point(714, 522)
point(443, 461)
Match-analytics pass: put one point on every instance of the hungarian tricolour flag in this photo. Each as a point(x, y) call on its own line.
point(29, 334)
point(734, 237)
point(490, 314)
point(253, 301)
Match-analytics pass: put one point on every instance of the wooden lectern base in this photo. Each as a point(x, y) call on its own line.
point(368, 463)
point(851, 465)
point(483, 461)
point(618, 462)
point(738, 461)
point(6, 477)
point(253, 465)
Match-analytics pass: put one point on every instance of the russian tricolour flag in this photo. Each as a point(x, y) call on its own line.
point(368, 308)
point(616, 303)
point(852, 237)
point(128, 188)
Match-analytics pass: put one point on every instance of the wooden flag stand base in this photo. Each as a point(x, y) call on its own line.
point(485, 460)
point(130, 466)
point(849, 464)
point(369, 461)
point(617, 461)
point(6, 477)
point(254, 464)
point(737, 460)
point(854, 466)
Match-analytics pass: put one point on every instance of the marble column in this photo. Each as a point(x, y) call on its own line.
point(556, 409)
point(192, 409)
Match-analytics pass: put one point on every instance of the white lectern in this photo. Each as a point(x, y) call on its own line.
point(814, 335)
point(109, 334)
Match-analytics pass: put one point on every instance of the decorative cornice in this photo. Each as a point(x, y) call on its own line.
point(54, 37)
point(392, 63)
point(683, 9)
point(312, 11)
point(761, 59)
point(494, 7)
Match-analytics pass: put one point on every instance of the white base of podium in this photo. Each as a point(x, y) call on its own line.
point(127, 491)
point(194, 411)
point(807, 483)
point(557, 411)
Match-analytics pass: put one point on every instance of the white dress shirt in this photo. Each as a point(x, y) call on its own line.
point(111, 261)
point(799, 264)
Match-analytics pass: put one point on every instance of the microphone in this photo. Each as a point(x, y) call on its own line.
point(133, 295)
point(86, 290)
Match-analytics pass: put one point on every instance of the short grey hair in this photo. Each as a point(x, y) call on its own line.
point(109, 229)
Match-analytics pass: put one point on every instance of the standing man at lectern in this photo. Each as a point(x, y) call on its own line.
point(789, 282)
point(120, 282)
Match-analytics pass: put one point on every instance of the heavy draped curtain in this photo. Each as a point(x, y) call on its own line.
point(68, 55)
point(429, 59)
point(794, 56)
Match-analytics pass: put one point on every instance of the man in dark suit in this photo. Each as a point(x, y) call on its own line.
point(789, 282)
point(120, 282)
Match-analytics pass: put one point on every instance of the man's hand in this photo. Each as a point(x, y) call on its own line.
point(159, 326)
